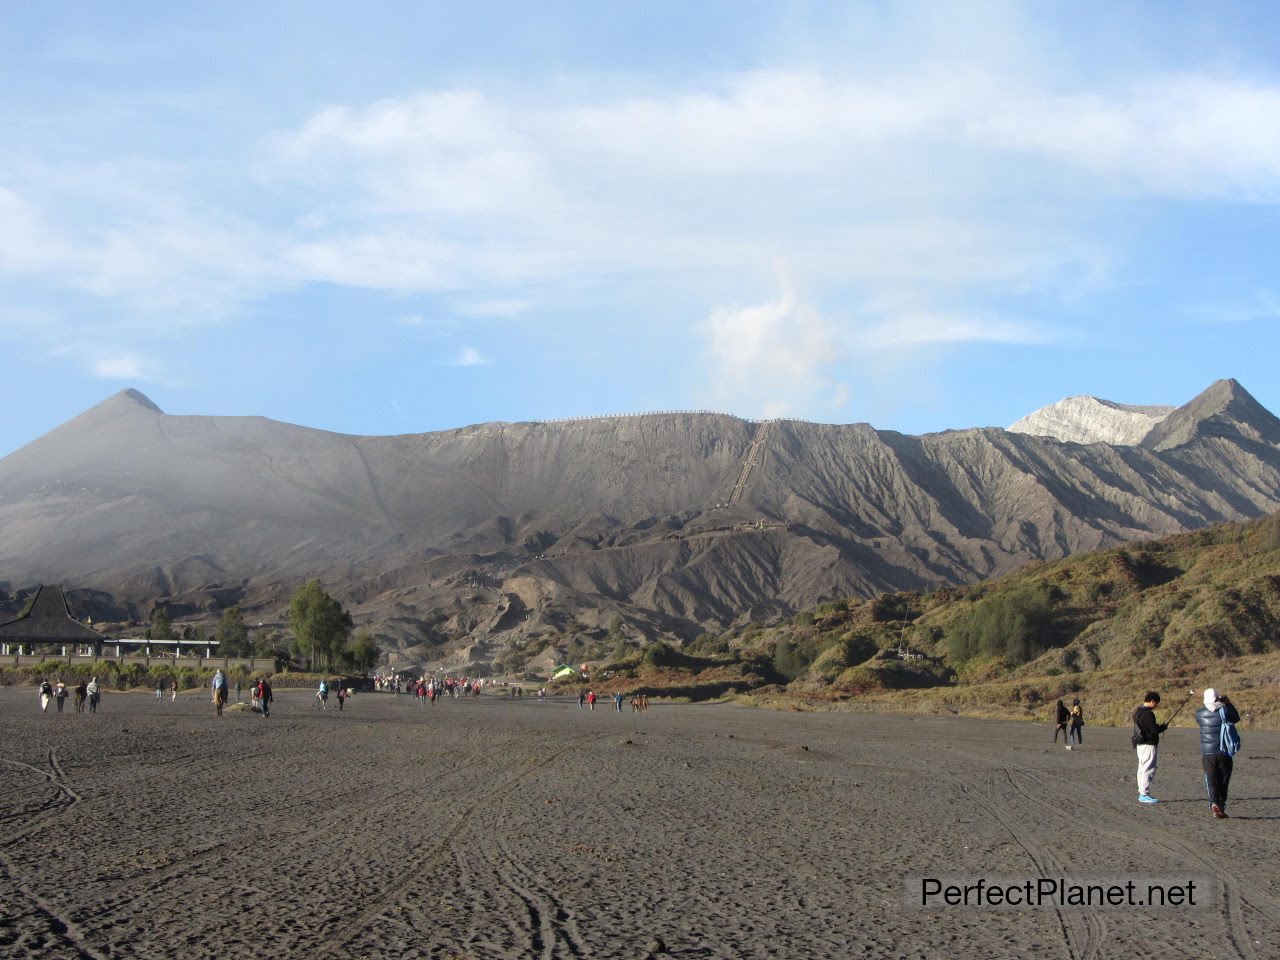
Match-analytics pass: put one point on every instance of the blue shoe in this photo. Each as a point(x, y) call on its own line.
point(1144, 798)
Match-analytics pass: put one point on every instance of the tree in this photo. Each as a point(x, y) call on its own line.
point(161, 626)
point(232, 634)
point(320, 624)
point(364, 652)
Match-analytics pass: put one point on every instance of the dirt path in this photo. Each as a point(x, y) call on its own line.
point(519, 829)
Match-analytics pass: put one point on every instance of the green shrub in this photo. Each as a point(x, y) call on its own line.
point(859, 680)
point(1015, 624)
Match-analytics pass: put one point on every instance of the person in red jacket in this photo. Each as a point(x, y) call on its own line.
point(591, 699)
point(264, 696)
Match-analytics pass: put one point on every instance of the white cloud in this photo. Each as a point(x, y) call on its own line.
point(772, 359)
point(1183, 135)
point(120, 366)
point(920, 189)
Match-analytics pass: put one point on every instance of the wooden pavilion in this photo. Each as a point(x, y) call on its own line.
point(48, 622)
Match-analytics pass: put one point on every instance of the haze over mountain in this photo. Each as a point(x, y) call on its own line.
point(677, 522)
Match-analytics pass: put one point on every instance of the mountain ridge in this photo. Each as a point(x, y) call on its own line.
point(524, 532)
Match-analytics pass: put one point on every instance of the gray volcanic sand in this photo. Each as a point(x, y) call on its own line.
point(519, 829)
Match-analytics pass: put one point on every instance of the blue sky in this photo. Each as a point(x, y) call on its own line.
point(404, 217)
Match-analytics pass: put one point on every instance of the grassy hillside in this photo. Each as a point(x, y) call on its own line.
point(1194, 610)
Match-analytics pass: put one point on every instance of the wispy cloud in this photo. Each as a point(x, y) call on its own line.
point(1258, 304)
point(468, 357)
point(924, 329)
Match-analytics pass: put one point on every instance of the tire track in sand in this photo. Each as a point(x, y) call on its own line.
point(1235, 890)
point(62, 928)
point(402, 883)
point(1081, 934)
point(62, 801)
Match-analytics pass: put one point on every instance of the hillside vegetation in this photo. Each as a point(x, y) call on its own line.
point(1193, 610)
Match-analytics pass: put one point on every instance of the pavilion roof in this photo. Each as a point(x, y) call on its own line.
point(48, 621)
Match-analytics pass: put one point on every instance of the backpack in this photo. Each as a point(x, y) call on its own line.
point(1229, 739)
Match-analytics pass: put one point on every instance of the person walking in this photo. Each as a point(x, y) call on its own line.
point(1077, 725)
point(582, 698)
point(1217, 764)
point(46, 694)
point(60, 694)
point(159, 692)
point(219, 686)
point(591, 699)
point(264, 697)
point(95, 693)
point(617, 702)
point(1146, 741)
point(173, 690)
point(342, 696)
point(1060, 718)
point(237, 691)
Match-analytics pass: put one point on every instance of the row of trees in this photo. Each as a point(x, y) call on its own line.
point(322, 634)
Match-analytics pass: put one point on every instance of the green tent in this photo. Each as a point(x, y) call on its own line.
point(563, 671)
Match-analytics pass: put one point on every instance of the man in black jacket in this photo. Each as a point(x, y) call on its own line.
point(1217, 765)
point(1146, 740)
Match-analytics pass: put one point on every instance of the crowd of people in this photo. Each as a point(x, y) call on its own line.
point(1216, 719)
point(86, 695)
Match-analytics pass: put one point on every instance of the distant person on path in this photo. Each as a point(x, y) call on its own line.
point(60, 694)
point(237, 691)
point(159, 692)
point(81, 695)
point(94, 692)
point(591, 699)
point(342, 697)
point(219, 685)
point(1217, 764)
point(582, 698)
point(46, 694)
point(617, 702)
point(1077, 724)
point(264, 697)
point(173, 690)
point(1061, 716)
point(1146, 740)
point(322, 695)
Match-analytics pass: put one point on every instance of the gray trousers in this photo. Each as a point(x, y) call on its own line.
point(1146, 766)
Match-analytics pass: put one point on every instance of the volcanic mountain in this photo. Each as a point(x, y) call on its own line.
point(676, 523)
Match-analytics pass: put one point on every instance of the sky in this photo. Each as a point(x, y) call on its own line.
point(401, 217)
